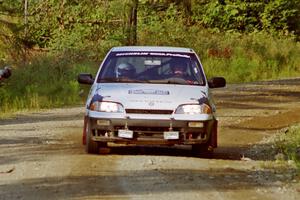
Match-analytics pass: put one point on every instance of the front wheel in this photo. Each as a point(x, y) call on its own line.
point(203, 150)
point(91, 146)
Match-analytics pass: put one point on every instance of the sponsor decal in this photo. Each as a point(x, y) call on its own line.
point(153, 54)
point(203, 100)
point(154, 92)
point(150, 101)
point(97, 97)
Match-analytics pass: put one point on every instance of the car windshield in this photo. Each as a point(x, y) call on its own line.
point(152, 67)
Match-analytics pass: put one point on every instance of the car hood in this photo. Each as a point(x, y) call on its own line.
point(149, 96)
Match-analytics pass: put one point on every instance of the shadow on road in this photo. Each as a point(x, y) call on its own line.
point(224, 153)
point(106, 185)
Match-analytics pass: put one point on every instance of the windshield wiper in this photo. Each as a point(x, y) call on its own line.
point(108, 79)
point(177, 81)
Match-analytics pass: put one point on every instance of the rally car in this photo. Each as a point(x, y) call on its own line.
point(150, 95)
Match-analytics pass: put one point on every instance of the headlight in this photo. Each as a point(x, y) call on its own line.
point(194, 109)
point(106, 107)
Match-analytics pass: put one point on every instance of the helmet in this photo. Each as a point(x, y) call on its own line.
point(126, 70)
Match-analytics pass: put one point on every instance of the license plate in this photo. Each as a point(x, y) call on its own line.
point(125, 133)
point(171, 135)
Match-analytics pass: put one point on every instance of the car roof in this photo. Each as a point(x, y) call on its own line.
point(152, 49)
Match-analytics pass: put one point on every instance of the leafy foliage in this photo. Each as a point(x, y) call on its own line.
point(74, 27)
point(249, 16)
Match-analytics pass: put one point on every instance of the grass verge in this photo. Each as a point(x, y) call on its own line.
point(289, 144)
point(46, 82)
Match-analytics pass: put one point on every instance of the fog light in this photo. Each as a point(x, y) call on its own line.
point(195, 124)
point(103, 122)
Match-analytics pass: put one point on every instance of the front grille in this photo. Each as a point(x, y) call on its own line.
point(142, 111)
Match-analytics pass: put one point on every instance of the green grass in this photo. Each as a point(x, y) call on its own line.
point(252, 57)
point(46, 82)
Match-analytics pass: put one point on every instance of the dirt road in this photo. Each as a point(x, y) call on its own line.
point(41, 156)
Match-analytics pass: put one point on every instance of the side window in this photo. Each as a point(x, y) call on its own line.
point(196, 70)
point(108, 69)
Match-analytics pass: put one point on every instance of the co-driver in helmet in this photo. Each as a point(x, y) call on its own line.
point(125, 70)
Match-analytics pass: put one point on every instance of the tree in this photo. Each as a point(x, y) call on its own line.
point(11, 29)
point(249, 16)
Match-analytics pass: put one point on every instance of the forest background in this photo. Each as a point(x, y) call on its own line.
point(49, 42)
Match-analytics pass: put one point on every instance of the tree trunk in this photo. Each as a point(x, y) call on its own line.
point(130, 19)
point(187, 7)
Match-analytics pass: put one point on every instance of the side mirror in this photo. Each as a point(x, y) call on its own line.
point(217, 82)
point(85, 78)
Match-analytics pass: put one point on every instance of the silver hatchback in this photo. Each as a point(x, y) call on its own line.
point(150, 95)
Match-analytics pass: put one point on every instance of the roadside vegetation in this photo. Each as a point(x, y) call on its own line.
point(44, 83)
point(282, 147)
point(289, 144)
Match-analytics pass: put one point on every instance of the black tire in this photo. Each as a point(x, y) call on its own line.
point(91, 146)
point(103, 148)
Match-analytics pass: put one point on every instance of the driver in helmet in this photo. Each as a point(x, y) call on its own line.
point(126, 70)
point(179, 67)
point(179, 70)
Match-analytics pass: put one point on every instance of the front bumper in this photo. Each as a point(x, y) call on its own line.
point(149, 129)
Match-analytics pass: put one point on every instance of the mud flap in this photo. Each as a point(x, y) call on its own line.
point(84, 130)
point(214, 135)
